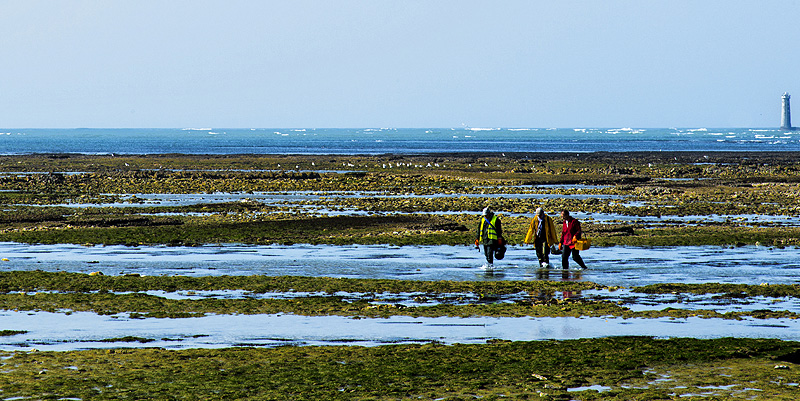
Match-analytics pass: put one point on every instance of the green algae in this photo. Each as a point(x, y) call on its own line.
point(336, 230)
point(150, 306)
point(82, 292)
point(726, 289)
point(628, 366)
point(708, 235)
point(762, 184)
point(127, 339)
point(411, 229)
point(110, 295)
point(708, 183)
point(30, 281)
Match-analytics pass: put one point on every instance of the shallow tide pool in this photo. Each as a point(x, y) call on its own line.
point(61, 332)
point(613, 266)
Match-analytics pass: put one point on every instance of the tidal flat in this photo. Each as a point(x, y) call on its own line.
point(400, 200)
point(685, 244)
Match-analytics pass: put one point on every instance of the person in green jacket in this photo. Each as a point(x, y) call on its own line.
point(542, 233)
point(490, 234)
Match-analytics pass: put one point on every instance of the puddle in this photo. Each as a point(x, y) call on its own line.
point(295, 198)
point(404, 299)
point(636, 302)
point(644, 302)
point(419, 263)
point(567, 186)
point(595, 387)
point(61, 332)
point(633, 266)
point(614, 266)
point(747, 220)
point(318, 203)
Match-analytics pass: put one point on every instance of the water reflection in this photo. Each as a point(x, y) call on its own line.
point(748, 220)
point(563, 274)
point(299, 198)
point(618, 266)
point(637, 302)
point(615, 266)
point(324, 203)
point(61, 332)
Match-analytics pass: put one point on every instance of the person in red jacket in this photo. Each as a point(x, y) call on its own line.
point(570, 232)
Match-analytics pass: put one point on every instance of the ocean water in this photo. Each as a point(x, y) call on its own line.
point(390, 140)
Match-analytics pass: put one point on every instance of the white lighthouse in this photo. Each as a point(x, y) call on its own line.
point(786, 112)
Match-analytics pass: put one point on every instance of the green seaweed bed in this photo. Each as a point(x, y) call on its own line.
point(622, 368)
point(403, 205)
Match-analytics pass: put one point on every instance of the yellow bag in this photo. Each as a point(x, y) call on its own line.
point(583, 244)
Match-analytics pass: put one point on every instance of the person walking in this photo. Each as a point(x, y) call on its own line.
point(490, 234)
point(570, 232)
point(542, 233)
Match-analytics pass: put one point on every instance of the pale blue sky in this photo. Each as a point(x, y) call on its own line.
point(380, 63)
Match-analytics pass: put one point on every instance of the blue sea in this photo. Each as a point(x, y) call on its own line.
point(390, 140)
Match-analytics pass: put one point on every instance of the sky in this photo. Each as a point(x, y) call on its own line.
point(397, 64)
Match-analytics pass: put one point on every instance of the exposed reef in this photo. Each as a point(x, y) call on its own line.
point(639, 198)
point(628, 198)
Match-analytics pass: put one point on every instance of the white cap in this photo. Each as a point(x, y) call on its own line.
point(487, 211)
point(539, 211)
